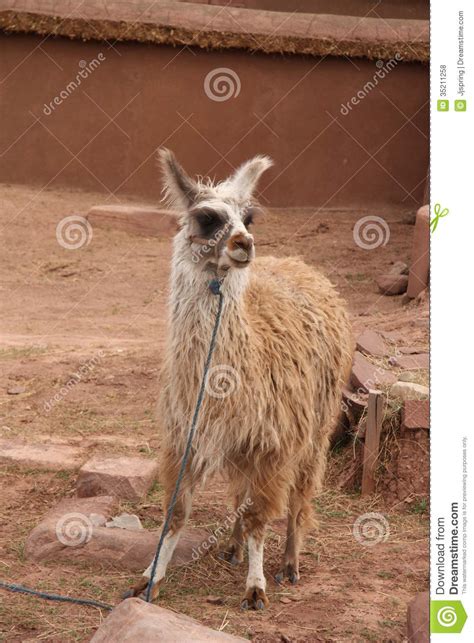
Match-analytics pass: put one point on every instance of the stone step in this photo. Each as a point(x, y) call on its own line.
point(128, 478)
point(41, 455)
point(366, 376)
point(135, 620)
point(416, 415)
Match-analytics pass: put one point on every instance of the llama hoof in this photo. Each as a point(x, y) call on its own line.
point(230, 557)
point(288, 572)
point(139, 590)
point(255, 598)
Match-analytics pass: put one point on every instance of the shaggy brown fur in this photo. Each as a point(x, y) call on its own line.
point(283, 352)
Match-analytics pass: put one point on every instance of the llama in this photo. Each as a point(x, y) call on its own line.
point(285, 340)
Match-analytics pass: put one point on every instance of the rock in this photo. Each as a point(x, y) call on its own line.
point(215, 600)
point(391, 336)
point(392, 284)
point(285, 600)
point(407, 376)
point(352, 399)
point(97, 520)
point(409, 391)
point(125, 521)
point(420, 254)
point(418, 619)
point(412, 350)
point(413, 362)
point(366, 376)
point(68, 533)
point(142, 220)
point(125, 477)
point(135, 620)
point(416, 415)
point(371, 343)
point(38, 455)
point(399, 268)
point(16, 390)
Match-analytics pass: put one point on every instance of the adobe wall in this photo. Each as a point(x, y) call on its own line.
point(288, 107)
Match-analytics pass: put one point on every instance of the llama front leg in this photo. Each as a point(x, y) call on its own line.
point(181, 512)
point(180, 516)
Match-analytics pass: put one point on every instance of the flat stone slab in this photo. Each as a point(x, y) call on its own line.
point(41, 455)
point(412, 350)
point(142, 220)
point(74, 530)
point(418, 619)
point(410, 391)
point(125, 477)
point(416, 414)
point(413, 362)
point(371, 343)
point(353, 399)
point(366, 376)
point(135, 620)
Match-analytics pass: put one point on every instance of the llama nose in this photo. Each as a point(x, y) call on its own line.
point(240, 247)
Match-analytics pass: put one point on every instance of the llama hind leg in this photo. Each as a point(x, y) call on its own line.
point(299, 515)
point(234, 550)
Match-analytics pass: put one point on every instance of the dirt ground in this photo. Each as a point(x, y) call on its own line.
point(60, 308)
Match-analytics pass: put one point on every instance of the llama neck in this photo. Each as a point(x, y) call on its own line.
point(193, 306)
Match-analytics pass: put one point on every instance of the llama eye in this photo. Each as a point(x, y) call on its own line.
point(248, 220)
point(209, 222)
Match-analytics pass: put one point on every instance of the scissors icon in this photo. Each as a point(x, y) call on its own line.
point(439, 214)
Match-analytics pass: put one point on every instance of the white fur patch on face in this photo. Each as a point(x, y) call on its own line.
point(255, 577)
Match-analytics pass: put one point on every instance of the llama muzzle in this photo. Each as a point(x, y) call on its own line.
point(240, 248)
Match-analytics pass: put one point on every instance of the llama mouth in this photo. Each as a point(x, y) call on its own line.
point(233, 263)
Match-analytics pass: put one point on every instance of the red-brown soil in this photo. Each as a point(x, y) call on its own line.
point(61, 307)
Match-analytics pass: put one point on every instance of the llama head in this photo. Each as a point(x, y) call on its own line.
point(215, 218)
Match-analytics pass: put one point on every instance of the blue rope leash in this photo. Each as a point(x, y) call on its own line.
point(215, 288)
point(21, 589)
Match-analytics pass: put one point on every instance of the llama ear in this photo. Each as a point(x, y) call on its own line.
point(180, 189)
point(245, 178)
